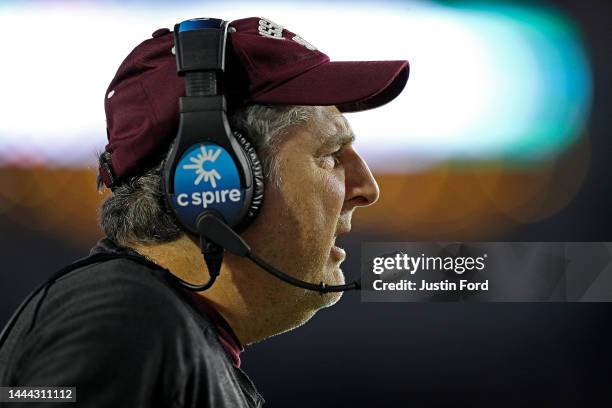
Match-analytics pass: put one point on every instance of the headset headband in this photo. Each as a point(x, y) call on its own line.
point(200, 46)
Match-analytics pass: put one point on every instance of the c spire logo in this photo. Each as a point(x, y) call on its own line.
point(207, 177)
point(197, 164)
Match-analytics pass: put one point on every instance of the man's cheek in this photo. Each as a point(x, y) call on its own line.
point(334, 193)
point(325, 198)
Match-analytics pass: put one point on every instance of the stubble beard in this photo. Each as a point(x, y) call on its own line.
point(299, 249)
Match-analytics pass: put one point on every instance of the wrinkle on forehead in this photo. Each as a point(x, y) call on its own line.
point(333, 128)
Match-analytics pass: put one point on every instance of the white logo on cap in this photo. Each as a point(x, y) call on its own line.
point(305, 43)
point(270, 29)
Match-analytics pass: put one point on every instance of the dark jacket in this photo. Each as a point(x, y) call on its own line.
point(125, 334)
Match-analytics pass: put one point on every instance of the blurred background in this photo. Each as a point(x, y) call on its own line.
point(502, 134)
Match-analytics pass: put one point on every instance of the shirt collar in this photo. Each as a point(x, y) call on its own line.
point(227, 337)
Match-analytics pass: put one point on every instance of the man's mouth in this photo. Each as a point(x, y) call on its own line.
point(337, 253)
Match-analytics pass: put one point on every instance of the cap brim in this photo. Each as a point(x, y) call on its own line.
point(350, 85)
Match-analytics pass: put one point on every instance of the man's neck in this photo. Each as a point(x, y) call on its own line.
point(183, 259)
point(240, 293)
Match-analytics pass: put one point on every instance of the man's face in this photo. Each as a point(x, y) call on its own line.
point(322, 180)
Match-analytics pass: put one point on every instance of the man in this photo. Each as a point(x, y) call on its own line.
point(121, 330)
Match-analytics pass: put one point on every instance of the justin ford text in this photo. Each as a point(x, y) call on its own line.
point(399, 264)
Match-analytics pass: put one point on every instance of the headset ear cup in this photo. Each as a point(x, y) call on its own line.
point(258, 178)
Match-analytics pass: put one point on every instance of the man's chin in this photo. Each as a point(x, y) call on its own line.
point(333, 277)
point(331, 298)
point(319, 301)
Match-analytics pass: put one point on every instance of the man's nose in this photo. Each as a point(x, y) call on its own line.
point(361, 187)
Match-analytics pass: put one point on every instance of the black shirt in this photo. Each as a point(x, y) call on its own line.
point(125, 334)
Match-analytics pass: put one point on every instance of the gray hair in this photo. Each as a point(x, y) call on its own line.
point(136, 211)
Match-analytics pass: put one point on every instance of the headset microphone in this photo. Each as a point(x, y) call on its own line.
point(214, 230)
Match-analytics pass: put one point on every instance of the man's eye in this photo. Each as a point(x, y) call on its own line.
point(335, 157)
point(331, 160)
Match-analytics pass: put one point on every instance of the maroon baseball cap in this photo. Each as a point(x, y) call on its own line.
point(265, 64)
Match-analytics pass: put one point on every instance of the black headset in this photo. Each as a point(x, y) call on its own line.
point(212, 176)
point(210, 170)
